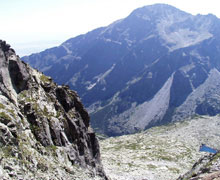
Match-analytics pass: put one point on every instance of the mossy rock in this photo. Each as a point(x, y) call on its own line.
point(2, 106)
point(44, 79)
point(3, 115)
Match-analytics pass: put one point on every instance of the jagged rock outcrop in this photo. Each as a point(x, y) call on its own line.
point(207, 168)
point(44, 129)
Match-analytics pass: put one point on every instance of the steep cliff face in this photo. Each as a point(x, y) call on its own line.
point(44, 128)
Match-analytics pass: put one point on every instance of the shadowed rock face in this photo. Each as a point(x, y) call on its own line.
point(44, 128)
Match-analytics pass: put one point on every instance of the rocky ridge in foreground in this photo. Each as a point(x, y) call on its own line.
point(44, 129)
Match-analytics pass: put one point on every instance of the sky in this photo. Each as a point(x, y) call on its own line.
point(32, 26)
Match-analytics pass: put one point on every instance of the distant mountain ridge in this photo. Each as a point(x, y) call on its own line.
point(155, 66)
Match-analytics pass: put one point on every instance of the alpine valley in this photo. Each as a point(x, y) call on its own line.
point(153, 78)
point(156, 66)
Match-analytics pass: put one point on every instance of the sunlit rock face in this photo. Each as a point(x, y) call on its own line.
point(45, 131)
point(155, 66)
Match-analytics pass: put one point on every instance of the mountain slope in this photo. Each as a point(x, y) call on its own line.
point(45, 132)
point(141, 71)
point(207, 168)
point(161, 153)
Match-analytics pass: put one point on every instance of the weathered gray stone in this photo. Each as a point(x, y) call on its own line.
point(44, 128)
point(207, 168)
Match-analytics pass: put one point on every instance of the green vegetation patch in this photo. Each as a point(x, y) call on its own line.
point(44, 79)
point(52, 147)
point(215, 159)
point(5, 116)
point(2, 106)
point(24, 95)
point(174, 170)
point(34, 128)
point(7, 150)
point(151, 166)
point(11, 112)
point(133, 146)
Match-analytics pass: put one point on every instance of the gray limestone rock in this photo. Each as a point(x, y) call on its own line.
point(44, 129)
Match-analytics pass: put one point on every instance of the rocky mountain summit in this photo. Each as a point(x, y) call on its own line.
point(156, 66)
point(45, 131)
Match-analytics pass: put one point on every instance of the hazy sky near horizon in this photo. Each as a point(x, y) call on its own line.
point(31, 26)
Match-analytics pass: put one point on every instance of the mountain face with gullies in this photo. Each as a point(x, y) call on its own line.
point(157, 65)
point(45, 131)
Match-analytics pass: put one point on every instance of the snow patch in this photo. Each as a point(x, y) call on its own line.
point(148, 37)
point(66, 66)
point(91, 86)
point(149, 75)
point(76, 76)
point(100, 78)
point(74, 79)
point(67, 49)
point(46, 68)
point(96, 106)
point(126, 36)
point(109, 40)
point(133, 81)
point(195, 54)
point(187, 68)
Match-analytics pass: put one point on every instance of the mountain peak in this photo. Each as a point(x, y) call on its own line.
point(162, 56)
point(159, 6)
point(158, 10)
